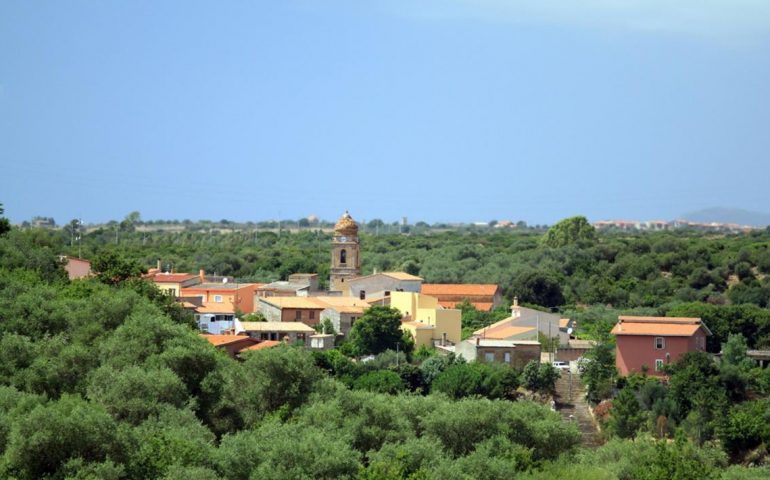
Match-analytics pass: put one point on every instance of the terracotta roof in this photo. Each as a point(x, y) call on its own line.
point(402, 276)
point(470, 289)
point(480, 306)
point(219, 340)
point(294, 302)
point(261, 345)
point(216, 307)
point(564, 322)
point(173, 277)
point(662, 326)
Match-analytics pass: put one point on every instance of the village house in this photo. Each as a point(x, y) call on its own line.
point(291, 309)
point(292, 332)
point(428, 322)
point(646, 344)
point(232, 344)
point(515, 353)
point(226, 296)
point(483, 296)
point(173, 283)
point(342, 312)
point(379, 285)
point(524, 323)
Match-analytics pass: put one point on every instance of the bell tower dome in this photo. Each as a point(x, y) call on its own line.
point(346, 259)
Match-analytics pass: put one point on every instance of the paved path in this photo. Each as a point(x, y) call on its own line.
point(573, 407)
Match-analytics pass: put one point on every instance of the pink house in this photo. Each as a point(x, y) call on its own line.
point(652, 342)
point(76, 267)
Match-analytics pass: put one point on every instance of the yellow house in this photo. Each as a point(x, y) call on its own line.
point(426, 320)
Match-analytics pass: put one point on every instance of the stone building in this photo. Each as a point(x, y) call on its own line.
point(346, 258)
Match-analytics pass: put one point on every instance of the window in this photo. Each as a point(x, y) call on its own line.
point(311, 315)
point(489, 357)
point(362, 294)
point(298, 315)
point(700, 342)
point(343, 256)
point(218, 298)
point(507, 357)
point(658, 364)
point(660, 343)
point(387, 293)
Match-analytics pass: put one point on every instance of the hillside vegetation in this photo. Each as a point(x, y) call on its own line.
point(110, 381)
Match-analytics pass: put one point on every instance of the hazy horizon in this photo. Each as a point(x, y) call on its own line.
point(451, 111)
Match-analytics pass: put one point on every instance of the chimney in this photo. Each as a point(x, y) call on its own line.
point(159, 265)
point(515, 301)
point(478, 341)
point(202, 275)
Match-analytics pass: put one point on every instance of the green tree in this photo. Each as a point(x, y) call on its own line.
point(5, 225)
point(539, 377)
point(286, 451)
point(627, 416)
point(734, 352)
point(476, 379)
point(41, 442)
point(379, 329)
point(380, 381)
point(568, 231)
point(745, 427)
point(268, 380)
point(113, 268)
point(134, 394)
point(598, 371)
point(540, 288)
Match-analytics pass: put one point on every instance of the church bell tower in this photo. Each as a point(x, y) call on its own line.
point(346, 261)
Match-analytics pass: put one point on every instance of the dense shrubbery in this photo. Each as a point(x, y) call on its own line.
point(107, 379)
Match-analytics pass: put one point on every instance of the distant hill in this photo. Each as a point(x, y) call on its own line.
point(729, 215)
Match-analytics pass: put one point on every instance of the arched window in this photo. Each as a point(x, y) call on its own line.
point(343, 256)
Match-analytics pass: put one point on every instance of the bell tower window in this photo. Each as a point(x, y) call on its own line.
point(343, 256)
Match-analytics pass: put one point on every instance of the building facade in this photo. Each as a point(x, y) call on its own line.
point(346, 258)
point(646, 344)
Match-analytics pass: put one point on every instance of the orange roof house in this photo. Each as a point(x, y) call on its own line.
point(173, 283)
point(483, 296)
point(232, 344)
point(648, 343)
point(230, 295)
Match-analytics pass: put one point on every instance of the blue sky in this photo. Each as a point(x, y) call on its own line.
point(452, 110)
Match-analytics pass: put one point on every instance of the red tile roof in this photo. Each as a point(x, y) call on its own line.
point(469, 289)
point(663, 326)
point(219, 340)
point(261, 345)
point(173, 277)
point(481, 306)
